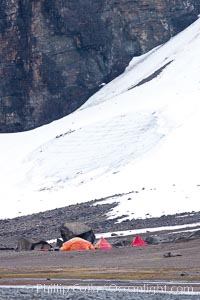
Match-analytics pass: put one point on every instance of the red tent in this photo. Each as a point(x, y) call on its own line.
point(138, 241)
point(102, 244)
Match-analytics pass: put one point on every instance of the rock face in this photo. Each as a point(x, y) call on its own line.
point(55, 54)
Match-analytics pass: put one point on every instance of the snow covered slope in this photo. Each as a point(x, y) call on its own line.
point(137, 136)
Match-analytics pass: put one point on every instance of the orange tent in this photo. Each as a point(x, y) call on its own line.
point(76, 243)
point(102, 244)
point(138, 241)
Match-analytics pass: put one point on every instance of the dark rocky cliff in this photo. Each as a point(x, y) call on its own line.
point(55, 54)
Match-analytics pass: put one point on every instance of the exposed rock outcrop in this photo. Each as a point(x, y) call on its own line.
point(77, 229)
point(55, 54)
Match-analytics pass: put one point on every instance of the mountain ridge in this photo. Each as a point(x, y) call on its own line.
point(55, 54)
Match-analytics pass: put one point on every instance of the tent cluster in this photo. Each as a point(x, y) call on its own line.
point(75, 236)
point(78, 243)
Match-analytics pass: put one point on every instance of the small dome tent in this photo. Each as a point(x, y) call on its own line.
point(138, 241)
point(76, 243)
point(102, 244)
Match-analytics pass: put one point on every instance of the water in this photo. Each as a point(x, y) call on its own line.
point(76, 292)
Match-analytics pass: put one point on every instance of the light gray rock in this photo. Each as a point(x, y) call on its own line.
point(23, 244)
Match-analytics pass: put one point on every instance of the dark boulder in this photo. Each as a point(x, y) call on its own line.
point(195, 235)
point(172, 254)
point(76, 229)
point(41, 245)
point(153, 240)
point(23, 244)
point(59, 243)
point(6, 248)
point(121, 243)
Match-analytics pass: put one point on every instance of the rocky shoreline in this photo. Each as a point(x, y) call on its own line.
point(46, 225)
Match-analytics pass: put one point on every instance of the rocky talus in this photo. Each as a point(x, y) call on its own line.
point(46, 225)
